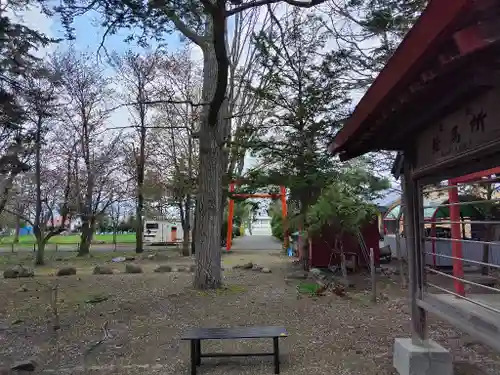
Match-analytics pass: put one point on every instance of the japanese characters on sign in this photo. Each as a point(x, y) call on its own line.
point(471, 128)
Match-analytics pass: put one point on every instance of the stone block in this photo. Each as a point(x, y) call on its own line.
point(427, 359)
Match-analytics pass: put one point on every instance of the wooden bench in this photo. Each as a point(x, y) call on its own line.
point(196, 335)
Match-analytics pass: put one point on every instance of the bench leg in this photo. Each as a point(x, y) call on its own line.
point(276, 355)
point(198, 352)
point(193, 357)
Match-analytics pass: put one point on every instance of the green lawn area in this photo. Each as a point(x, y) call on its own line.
point(72, 239)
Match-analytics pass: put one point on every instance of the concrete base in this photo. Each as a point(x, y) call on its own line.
point(428, 359)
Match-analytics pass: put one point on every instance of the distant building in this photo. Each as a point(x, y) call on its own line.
point(71, 225)
point(262, 226)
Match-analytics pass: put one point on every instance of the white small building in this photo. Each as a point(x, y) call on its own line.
point(162, 232)
point(261, 226)
point(71, 224)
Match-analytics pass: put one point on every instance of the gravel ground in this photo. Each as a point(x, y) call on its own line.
point(146, 313)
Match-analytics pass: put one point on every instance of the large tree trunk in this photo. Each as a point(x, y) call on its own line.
point(40, 251)
point(139, 229)
point(86, 237)
point(115, 231)
point(17, 230)
point(187, 229)
point(193, 234)
point(211, 170)
point(140, 160)
point(39, 220)
point(208, 217)
point(187, 226)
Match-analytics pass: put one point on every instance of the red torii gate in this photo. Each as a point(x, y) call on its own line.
point(230, 214)
point(456, 235)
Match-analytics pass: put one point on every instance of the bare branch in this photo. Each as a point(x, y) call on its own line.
point(158, 102)
point(258, 3)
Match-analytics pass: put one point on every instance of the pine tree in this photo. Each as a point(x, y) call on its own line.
point(18, 63)
point(309, 102)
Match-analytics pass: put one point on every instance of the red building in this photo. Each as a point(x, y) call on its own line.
point(322, 253)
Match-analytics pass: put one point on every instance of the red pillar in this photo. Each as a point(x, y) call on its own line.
point(284, 211)
point(230, 213)
point(456, 236)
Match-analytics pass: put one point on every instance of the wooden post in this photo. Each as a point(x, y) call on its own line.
point(374, 280)
point(399, 253)
point(418, 316)
point(400, 259)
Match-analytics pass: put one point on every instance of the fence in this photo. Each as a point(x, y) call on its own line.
point(439, 253)
point(11, 248)
point(457, 256)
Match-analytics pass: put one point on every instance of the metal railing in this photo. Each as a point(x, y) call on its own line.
point(468, 251)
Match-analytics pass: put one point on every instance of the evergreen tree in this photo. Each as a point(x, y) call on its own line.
point(372, 31)
point(308, 101)
point(18, 62)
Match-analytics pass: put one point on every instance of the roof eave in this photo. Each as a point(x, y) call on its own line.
point(434, 20)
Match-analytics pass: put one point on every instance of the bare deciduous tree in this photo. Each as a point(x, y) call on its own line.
point(137, 74)
point(95, 171)
point(175, 147)
point(51, 188)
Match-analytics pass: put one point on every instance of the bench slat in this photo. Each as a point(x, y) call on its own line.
point(234, 333)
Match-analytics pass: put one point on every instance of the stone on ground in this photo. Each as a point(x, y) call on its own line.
point(265, 270)
point(18, 271)
point(27, 365)
point(163, 268)
point(103, 270)
point(246, 266)
point(297, 275)
point(315, 272)
point(22, 288)
point(132, 268)
point(66, 271)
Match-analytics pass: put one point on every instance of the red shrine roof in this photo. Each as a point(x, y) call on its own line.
point(442, 22)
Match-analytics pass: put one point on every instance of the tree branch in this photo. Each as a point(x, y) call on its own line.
point(258, 3)
point(157, 102)
point(23, 217)
point(185, 30)
point(219, 41)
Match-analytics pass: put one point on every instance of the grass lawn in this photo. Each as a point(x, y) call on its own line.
point(72, 239)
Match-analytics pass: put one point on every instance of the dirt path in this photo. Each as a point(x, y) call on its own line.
point(145, 314)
